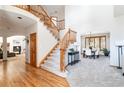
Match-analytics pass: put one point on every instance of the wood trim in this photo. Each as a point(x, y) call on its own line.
point(50, 51)
point(62, 58)
point(33, 60)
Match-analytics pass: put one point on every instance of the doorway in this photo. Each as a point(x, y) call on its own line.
point(33, 47)
point(15, 48)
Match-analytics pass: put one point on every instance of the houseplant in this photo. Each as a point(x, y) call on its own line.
point(106, 52)
point(71, 49)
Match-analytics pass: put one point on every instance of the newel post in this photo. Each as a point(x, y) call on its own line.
point(62, 60)
point(29, 8)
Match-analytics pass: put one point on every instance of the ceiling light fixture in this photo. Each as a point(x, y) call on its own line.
point(19, 17)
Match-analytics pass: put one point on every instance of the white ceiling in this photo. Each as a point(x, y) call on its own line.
point(55, 10)
point(11, 18)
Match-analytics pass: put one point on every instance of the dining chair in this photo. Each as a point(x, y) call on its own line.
point(88, 53)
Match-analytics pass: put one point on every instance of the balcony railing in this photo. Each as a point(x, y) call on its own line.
point(38, 11)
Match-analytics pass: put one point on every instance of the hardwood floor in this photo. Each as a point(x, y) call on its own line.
point(15, 73)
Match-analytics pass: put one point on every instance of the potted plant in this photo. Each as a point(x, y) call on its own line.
point(106, 52)
point(71, 49)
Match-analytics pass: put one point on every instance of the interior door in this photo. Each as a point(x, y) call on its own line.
point(33, 49)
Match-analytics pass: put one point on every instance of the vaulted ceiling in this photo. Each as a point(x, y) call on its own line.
point(55, 10)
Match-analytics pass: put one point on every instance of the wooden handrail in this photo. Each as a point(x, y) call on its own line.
point(38, 11)
point(69, 38)
point(50, 22)
point(47, 15)
point(60, 24)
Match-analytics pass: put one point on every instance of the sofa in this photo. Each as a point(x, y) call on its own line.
point(9, 54)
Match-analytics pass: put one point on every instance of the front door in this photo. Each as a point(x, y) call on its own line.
point(33, 49)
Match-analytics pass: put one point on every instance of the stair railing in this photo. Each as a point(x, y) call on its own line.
point(38, 11)
point(69, 38)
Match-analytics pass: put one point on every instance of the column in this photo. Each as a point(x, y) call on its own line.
point(4, 48)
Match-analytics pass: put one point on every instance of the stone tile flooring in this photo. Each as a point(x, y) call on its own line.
point(94, 73)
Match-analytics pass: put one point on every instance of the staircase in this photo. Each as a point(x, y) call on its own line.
point(52, 63)
point(56, 59)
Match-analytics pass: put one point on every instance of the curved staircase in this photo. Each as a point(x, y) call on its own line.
point(54, 61)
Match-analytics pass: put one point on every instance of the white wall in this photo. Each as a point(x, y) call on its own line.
point(98, 19)
point(45, 41)
point(117, 36)
point(20, 39)
point(118, 10)
point(85, 19)
point(30, 29)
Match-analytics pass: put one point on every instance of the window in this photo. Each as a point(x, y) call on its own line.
point(95, 42)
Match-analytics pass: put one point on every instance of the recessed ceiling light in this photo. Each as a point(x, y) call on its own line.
point(56, 12)
point(19, 17)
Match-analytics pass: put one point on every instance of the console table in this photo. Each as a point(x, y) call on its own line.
point(73, 57)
